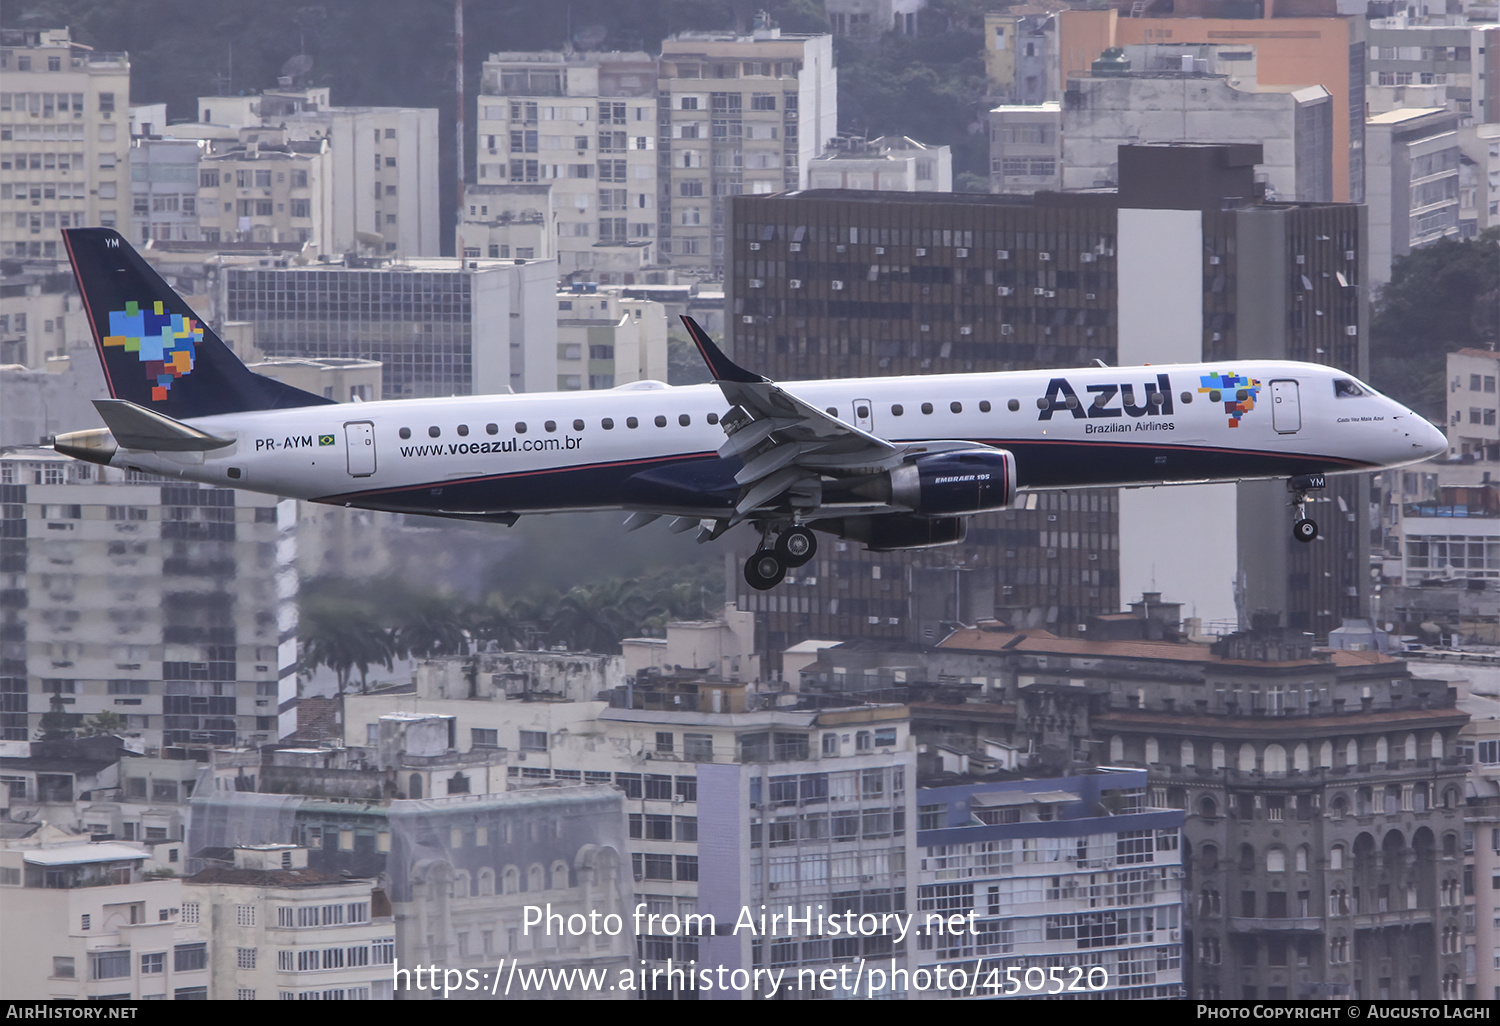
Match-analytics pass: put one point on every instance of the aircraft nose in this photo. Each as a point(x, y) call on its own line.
point(1426, 438)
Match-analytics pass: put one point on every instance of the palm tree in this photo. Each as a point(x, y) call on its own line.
point(431, 625)
point(594, 619)
point(343, 636)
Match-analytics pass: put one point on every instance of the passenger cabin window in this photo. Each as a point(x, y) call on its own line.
point(684, 419)
point(956, 407)
point(1013, 405)
point(577, 425)
point(404, 432)
point(463, 431)
point(984, 406)
point(661, 421)
point(1186, 397)
point(492, 429)
point(631, 422)
point(550, 425)
point(831, 412)
point(713, 418)
point(862, 412)
point(926, 407)
point(520, 427)
point(1214, 395)
point(433, 432)
point(897, 410)
point(1347, 388)
point(607, 424)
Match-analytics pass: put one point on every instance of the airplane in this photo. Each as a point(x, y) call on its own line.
point(893, 462)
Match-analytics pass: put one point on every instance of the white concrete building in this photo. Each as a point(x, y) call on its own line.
point(383, 164)
point(1480, 201)
point(585, 125)
point(1411, 183)
point(869, 19)
point(1026, 148)
point(64, 141)
point(278, 929)
point(739, 115)
point(269, 188)
point(82, 920)
point(890, 162)
point(1197, 93)
point(605, 339)
point(164, 188)
point(168, 604)
point(723, 648)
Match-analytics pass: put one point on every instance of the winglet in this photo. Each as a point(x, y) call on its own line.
point(719, 365)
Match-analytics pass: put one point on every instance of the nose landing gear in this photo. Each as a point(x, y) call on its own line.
point(787, 550)
point(1304, 528)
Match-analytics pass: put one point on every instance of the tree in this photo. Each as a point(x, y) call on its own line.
point(344, 637)
point(1441, 298)
point(106, 722)
point(431, 625)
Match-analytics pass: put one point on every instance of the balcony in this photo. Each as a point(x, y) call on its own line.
point(1256, 924)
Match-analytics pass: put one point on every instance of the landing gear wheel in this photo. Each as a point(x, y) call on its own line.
point(764, 570)
point(796, 546)
point(1305, 530)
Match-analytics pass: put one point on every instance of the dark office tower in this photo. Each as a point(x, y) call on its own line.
point(1182, 264)
point(852, 284)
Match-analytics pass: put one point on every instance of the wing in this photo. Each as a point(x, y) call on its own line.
point(787, 445)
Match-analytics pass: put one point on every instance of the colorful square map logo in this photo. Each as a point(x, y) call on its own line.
point(1233, 384)
point(164, 342)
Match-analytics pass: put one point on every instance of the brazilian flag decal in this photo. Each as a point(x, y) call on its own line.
point(325, 439)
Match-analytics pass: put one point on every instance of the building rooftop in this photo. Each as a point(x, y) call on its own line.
point(78, 854)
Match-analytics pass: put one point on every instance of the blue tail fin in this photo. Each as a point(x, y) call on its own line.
point(156, 352)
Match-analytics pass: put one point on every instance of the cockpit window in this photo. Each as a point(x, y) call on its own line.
point(1348, 388)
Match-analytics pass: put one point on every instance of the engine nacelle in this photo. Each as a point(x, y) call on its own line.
point(963, 481)
point(886, 532)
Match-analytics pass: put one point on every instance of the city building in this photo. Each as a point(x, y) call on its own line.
point(734, 797)
point(439, 326)
point(1290, 50)
point(1021, 56)
point(40, 317)
point(1179, 265)
point(382, 172)
point(1078, 873)
point(866, 19)
point(887, 164)
point(1479, 198)
point(1482, 837)
point(1324, 790)
point(169, 605)
point(347, 380)
point(1412, 183)
point(738, 115)
point(1026, 148)
point(278, 929)
point(1162, 93)
point(450, 857)
point(64, 141)
point(1437, 49)
point(268, 189)
point(510, 221)
point(83, 920)
point(580, 127)
point(164, 187)
point(605, 339)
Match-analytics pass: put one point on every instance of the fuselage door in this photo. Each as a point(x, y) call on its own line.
point(1286, 407)
point(864, 415)
point(359, 442)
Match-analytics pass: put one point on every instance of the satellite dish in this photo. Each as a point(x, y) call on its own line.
point(590, 36)
point(371, 240)
point(297, 66)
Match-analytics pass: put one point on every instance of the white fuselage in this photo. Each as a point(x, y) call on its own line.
point(585, 450)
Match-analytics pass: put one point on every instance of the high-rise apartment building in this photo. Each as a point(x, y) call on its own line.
point(739, 115)
point(267, 189)
point(64, 141)
point(169, 605)
point(164, 188)
point(583, 124)
point(847, 284)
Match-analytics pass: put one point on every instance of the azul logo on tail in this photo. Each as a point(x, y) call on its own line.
point(165, 343)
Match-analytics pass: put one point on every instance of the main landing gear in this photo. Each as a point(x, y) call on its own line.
point(1304, 528)
point(785, 551)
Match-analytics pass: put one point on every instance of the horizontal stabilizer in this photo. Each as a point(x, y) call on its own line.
point(135, 427)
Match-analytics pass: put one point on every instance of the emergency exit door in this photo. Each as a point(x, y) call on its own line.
point(1286, 407)
point(359, 443)
point(864, 411)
